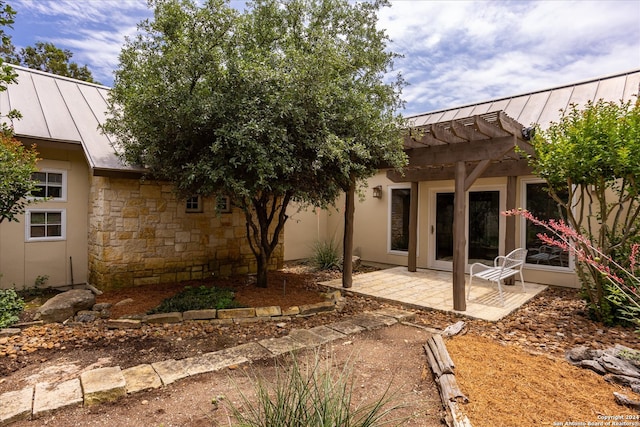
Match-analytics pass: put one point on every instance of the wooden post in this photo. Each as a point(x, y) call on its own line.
point(347, 242)
point(510, 234)
point(510, 223)
point(459, 240)
point(412, 262)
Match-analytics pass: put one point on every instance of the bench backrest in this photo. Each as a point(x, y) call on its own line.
point(515, 259)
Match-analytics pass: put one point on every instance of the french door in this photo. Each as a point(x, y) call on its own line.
point(484, 227)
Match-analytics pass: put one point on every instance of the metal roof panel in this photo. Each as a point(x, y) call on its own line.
point(54, 109)
point(24, 98)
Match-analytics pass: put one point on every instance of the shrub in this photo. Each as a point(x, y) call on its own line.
point(318, 395)
point(10, 306)
point(199, 298)
point(326, 255)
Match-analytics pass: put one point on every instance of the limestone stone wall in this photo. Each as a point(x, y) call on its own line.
point(140, 233)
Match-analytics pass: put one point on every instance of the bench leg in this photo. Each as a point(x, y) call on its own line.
point(522, 282)
point(500, 291)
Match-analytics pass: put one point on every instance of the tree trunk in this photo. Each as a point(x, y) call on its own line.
point(347, 242)
point(262, 270)
point(265, 220)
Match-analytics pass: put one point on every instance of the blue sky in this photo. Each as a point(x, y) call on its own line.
point(455, 52)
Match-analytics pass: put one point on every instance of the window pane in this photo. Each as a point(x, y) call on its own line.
point(37, 231)
point(543, 207)
point(400, 199)
point(54, 192)
point(39, 191)
point(54, 230)
point(222, 204)
point(38, 218)
point(54, 178)
point(54, 218)
point(39, 176)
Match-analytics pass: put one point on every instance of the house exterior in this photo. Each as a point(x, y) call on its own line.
point(103, 223)
point(470, 149)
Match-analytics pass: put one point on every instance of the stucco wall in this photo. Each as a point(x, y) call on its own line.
point(371, 227)
point(140, 233)
point(22, 261)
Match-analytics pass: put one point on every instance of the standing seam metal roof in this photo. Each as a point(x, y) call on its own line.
point(542, 107)
point(62, 109)
point(57, 108)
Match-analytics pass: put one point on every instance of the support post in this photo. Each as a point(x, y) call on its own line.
point(459, 240)
point(510, 223)
point(412, 262)
point(347, 242)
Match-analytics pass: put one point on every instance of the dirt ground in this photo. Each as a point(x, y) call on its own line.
point(513, 371)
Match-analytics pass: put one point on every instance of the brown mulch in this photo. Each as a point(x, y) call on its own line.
point(509, 369)
point(284, 290)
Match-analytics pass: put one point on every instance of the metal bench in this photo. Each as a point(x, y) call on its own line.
point(503, 268)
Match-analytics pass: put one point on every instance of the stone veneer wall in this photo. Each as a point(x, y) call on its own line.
point(140, 233)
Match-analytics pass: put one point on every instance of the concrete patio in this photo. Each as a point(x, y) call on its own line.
point(434, 289)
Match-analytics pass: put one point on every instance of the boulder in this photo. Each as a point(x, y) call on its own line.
point(65, 305)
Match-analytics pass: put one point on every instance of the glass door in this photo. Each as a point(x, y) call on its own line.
point(482, 227)
point(483, 236)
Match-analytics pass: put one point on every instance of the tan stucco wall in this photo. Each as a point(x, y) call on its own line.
point(305, 227)
point(141, 234)
point(371, 227)
point(22, 262)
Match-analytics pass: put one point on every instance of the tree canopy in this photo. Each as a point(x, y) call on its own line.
point(45, 56)
point(286, 101)
point(593, 155)
point(17, 163)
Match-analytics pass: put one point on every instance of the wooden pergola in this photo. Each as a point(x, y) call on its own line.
point(486, 145)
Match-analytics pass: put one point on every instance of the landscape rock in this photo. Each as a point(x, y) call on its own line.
point(124, 324)
point(268, 311)
point(86, 316)
point(199, 314)
point(103, 385)
point(319, 307)
point(618, 366)
point(65, 305)
point(7, 332)
point(234, 313)
point(15, 406)
point(174, 317)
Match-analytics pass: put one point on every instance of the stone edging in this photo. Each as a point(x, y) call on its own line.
point(231, 315)
point(110, 383)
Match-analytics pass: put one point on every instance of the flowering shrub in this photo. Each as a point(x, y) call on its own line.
point(619, 299)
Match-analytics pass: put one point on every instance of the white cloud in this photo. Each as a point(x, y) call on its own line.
point(463, 52)
point(455, 52)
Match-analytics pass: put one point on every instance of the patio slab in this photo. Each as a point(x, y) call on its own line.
point(434, 290)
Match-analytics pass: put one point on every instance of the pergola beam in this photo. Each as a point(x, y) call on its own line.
point(446, 173)
point(472, 151)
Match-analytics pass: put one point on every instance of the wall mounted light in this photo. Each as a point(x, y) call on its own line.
point(377, 191)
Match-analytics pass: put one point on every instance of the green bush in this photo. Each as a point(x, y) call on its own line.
point(315, 395)
point(200, 298)
point(326, 255)
point(10, 307)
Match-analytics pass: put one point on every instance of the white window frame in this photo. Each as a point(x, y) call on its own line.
point(198, 202)
point(63, 227)
point(523, 231)
point(63, 194)
point(223, 204)
point(389, 216)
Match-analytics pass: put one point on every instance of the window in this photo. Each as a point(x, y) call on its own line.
point(223, 204)
point(50, 184)
point(399, 219)
point(542, 206)
point(194, 204)
point(45, 224)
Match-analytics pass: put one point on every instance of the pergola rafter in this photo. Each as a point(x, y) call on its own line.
point(486, 145)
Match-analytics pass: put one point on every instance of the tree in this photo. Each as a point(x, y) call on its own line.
point(17, 163)
point(283, 102)
point(47, 57)
point(593, 154)
point(7, 74)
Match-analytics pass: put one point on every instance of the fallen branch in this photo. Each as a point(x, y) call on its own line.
point(442, 367)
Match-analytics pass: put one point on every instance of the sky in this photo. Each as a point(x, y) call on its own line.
point(454, 52)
